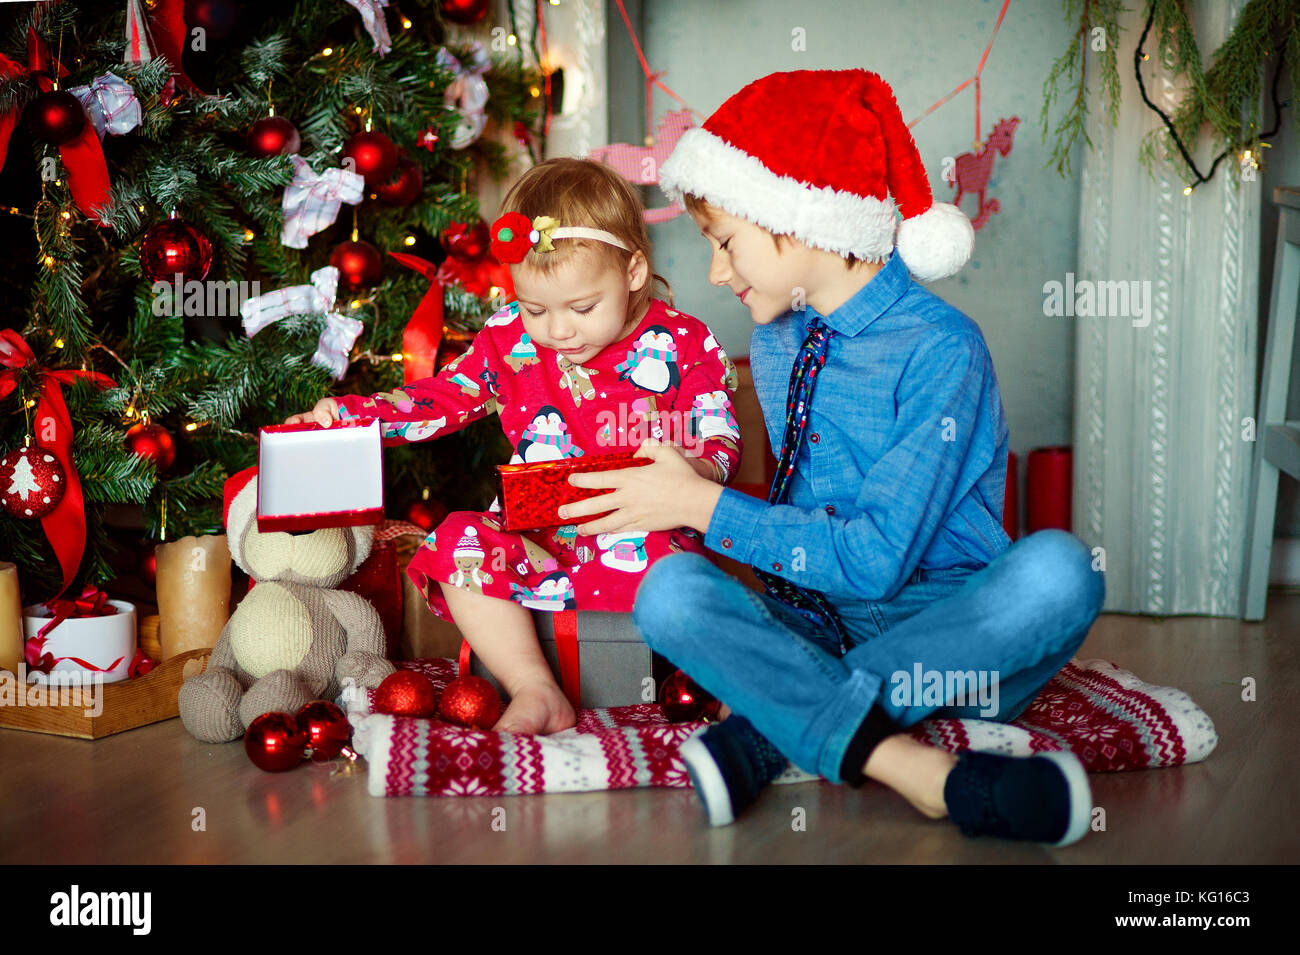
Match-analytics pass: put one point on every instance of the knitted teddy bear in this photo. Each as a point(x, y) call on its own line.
point(293, 638)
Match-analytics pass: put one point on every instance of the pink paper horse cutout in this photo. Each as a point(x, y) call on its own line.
point(974, 169)
point(639, 165)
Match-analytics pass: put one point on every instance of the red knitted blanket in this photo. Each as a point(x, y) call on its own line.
point(1108, 717)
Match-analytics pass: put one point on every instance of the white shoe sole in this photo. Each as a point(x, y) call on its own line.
point(1076, 778)
point(709, 784)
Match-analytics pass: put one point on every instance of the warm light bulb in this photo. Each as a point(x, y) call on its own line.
point(406, 23)
point(397, 356)
point(49, 261)
point(1187, 191)
point(409, 240)
point(68, 215)
point(58, 343)
point(512, 39)
point(493, 292)
point(249, 235)
point(355, 303)
point(191, 427)
point(327, 51)
point(534, 91)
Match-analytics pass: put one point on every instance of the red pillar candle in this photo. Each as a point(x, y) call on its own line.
point(1011, 503)
point(1049, 488)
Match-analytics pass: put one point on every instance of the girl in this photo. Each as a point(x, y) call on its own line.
point(585, 361)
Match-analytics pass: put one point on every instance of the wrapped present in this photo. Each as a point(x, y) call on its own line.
point(86, 638)
point(598, 658)
point(310, 477)
point(530, 494)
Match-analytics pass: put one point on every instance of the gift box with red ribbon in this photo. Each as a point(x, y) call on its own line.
point(87, 637)
point(531, 494)
point(598, 658)
point(310, 477)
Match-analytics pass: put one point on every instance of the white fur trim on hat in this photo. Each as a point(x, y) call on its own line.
point(936, 243)
point(707, 166)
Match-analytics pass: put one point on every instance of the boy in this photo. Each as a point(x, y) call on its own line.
point(881, 545)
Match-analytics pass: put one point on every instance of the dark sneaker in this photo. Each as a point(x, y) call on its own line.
point(1043, 798)
point(729, 764)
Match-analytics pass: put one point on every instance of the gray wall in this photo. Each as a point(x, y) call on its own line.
point(923, 48)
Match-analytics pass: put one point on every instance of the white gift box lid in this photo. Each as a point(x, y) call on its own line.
point(310, 477)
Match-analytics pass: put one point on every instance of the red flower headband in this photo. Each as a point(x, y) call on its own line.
point(514, 236)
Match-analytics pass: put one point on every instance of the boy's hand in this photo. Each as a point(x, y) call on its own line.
point(324, 414)
point(666, 494)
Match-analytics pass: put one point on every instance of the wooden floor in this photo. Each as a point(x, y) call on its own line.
point(131, 798)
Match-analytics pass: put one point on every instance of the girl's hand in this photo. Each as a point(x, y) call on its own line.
point(324, 414)
point(666, 494)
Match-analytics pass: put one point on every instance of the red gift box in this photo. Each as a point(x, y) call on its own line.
point(310, 477)
point(530, 494)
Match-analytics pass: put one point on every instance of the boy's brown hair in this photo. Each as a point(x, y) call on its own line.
point(583, 192)
point(701, 208)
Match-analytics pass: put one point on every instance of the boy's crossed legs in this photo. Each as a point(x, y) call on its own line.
point(1021, 617)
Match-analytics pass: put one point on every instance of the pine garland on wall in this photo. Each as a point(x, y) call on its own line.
point(1221, 103)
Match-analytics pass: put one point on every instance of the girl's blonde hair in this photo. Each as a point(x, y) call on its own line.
point(583, 192)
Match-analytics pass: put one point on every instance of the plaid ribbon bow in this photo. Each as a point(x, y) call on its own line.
point(803, 379)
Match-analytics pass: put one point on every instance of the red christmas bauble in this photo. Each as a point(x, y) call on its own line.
point(56, 117)
point(405, 186)
point(273, 136)
point(327, 729)
point(465, 241)
point(683, 700)
point(359, 263)
point(470, 701)
point(149, 566)
point(373, 156)
point(426, 514)
point(217, 17)
point(406, 693)
point(154, 442)
point(32, 482)
point(275, 742)
point(464, 12)
point(174, 246)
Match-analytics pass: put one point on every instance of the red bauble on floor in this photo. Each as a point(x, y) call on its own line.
point(406, 693)
point(470, 701)
point(683, 700)
point(275, 742)
point(327, 729)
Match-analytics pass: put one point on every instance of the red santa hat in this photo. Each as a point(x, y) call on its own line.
point(823, 156)
point(234, 486)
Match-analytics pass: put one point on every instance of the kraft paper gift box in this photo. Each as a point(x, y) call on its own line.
point(615, 666)
point(310, 477)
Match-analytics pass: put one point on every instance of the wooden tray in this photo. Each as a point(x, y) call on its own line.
point(126, 705)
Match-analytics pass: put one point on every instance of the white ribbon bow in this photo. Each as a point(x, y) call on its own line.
point(340, 332)
point(111, 105)
point(311, 201)
point(372, 15)
point(468, 93)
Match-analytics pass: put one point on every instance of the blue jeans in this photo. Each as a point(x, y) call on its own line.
point(1014, 623)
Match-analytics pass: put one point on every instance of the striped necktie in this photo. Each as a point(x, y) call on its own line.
point(803, 379)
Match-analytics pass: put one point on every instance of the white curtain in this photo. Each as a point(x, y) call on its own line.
point(1161, 468)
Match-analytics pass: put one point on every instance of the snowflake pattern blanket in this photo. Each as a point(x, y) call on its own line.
point(1108, 717)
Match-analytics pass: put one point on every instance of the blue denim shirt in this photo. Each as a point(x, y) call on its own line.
point(905, 459)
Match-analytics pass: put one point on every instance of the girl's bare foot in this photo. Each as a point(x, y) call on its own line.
point(537, 709)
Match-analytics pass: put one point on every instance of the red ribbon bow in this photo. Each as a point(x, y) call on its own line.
point(65, 526)
point(93, 602)
point(84, 156)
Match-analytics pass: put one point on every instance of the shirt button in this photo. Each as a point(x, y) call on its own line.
point(814, 437)
point(830, 508)
point(776, 566)
point(726, 542)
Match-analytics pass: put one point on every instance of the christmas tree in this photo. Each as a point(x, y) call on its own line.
point(227, 131)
